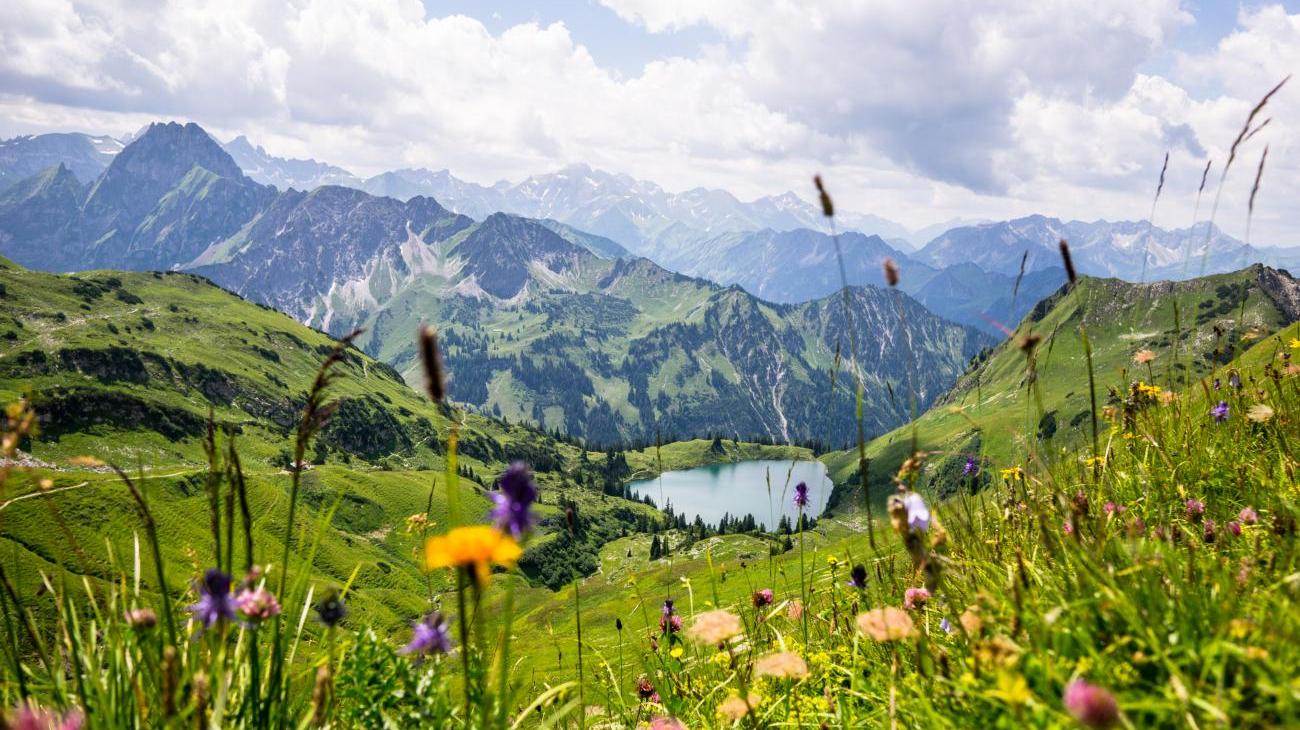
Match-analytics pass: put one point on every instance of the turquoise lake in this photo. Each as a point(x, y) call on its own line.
point(739, 489)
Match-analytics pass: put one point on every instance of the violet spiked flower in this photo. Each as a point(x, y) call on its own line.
point(1220, 412)
point(429, 636)
point(215, 604)
point(801, 495)
point(331, 609)
point(1092, 706)
point(670, 622)
point(515, 498)
point(972, 467)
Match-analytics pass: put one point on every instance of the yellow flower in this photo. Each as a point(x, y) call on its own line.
point(478, 548)
point(832, 561)
point(1295, 343)
point(721, 659)
point(1014, 472)
point(1095, 461)
point(886, 624)
point(782, 665)
point(676, 652)
point(1149, 390)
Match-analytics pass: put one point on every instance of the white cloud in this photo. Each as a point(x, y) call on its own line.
point(915, 109)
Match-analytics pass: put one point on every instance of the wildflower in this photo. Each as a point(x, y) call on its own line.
point(970, 620)
point(644, 689)
point(513, 501)
point(1207, 532)
point(832, 561)
point(1195, 508)
point(946, 625)
point(763, 598)
point(714, 627)
point(782, 665)
point(918, 514)
point(886, 624)
point(858, 577)
point(417, 522)
point(331, 609)
point(801, 495)
point(972, 467)
point(30, 717)
point(1248, 516)
point(915, 598)
point(1220, 412)
point(1148, 390)
point(1091, 705)
point(1234, 380)
point(666, 723)
point(257, 604)
point(669, 621)
point(1260, 413)
point(1218, 383)
point(720, 658)
point(429, 636)
point(1142, 357)
point(1137, 528)
point(734, 708)
point(214, 599)
point(1067, 528)
point(1114, 509)
point(1014, 472)
point(1295, 343)
point(676, 652)
point(1235, 528)
point(794, 611)
point(141, 618)
point(1095, 461)
point(475, 548)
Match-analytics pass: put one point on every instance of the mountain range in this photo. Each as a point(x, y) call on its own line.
point(541, 322)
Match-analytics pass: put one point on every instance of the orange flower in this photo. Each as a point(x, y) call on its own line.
point(477, 548)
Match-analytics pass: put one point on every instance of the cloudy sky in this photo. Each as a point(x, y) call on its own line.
point(916, 110)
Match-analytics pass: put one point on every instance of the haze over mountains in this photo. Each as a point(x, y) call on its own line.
point(578, 300)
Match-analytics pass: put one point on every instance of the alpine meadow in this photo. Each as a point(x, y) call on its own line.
point(645, 365)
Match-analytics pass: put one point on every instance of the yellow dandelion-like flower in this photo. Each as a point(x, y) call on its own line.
point(676, 652)
point(832, 561)
point(1295, 343)
point(714, 627)
point(475, 548)
point(1149, 390)
point(782, 665)
point(886, 624)
point(1014, 472)
point(1095, 461)
point(1260, 413)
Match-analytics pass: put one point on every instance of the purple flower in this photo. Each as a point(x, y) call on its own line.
point(1217, 383)
point(31, 717)
point(1235, 528)
point(1195, 508)
point(331, 609)
point(513, 501)
point(1220, 412)
point(972, 467)
point(858, 577)
point(257, 604)
point(918, 515)
point(763, 598)
point(1235, 381)
point(915, 599)
point(142, 618)
point(946, 625)
point(669, 621)
point(801, 495)
point(1091, 705)
point(214, 603)
point(1248, 516)
point(429, 636)
point(1208, 533)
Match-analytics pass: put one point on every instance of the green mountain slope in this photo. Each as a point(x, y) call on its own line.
point(997, 414)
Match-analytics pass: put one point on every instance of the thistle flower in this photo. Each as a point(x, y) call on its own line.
point(801, 495)
point(915, 598)
point(763, 598)
point(886, 624)
point(782, 665)
point(330, 610)
point(1091, 705)
point(257, 604)
point(141, 618)
point(214, 599)
point(1248, 516)
point(669, 621)
point(858, 577)
point(1194, 509)
point(475, 548)
point(714, 627)
point(1220, 412)
point(429, 635)
point(516, 496)
point(644, 689)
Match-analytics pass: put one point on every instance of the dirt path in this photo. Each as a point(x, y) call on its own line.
point(70, 487)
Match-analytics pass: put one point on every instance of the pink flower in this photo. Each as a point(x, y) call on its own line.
point(1068, 528)
point(1115, 509)
point(1248, 516)
point(763, 598)
point(666, 723)
point(1235, 528)
point(915, 598)
point(1092, 706)
point(257, 604)
point(1195, 508)
point(31, 717)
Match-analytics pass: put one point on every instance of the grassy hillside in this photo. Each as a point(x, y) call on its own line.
point(997, 413)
